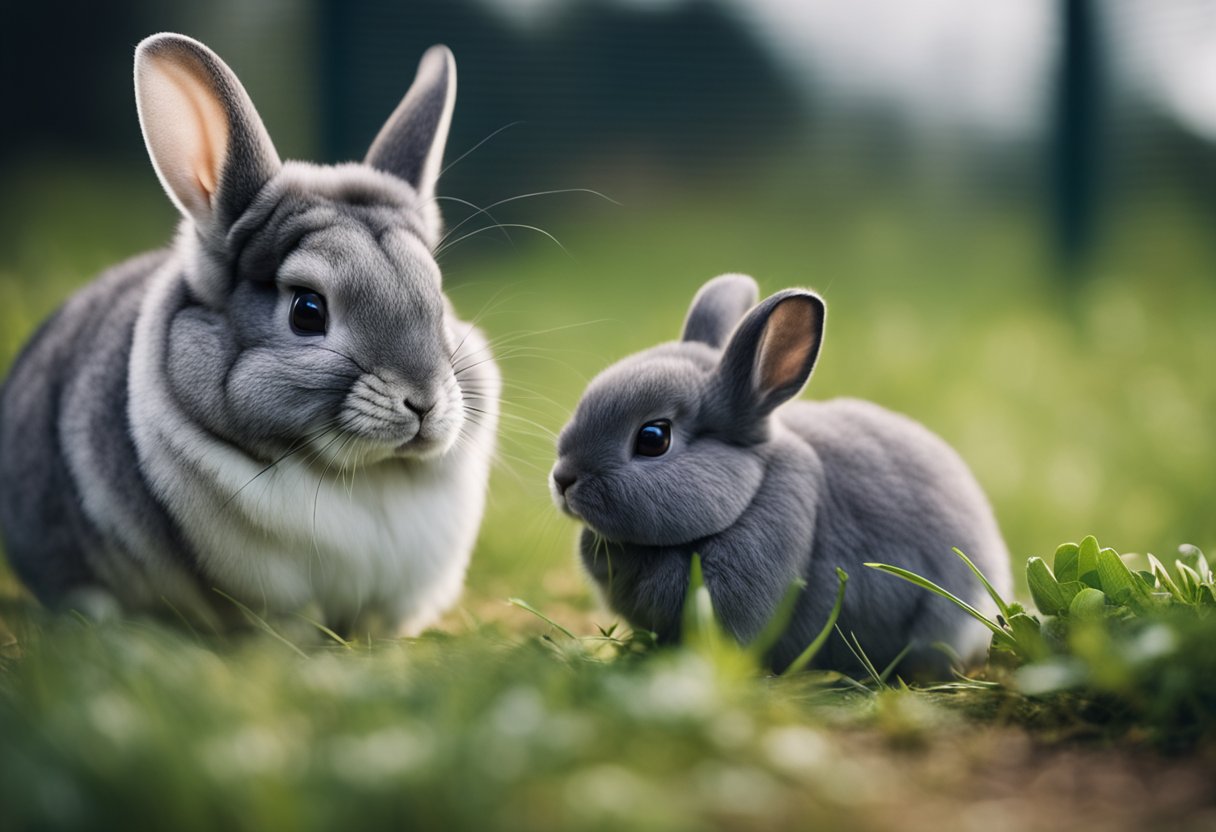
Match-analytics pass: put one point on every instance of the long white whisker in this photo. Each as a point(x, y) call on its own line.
point(441, 249)
point(477, 210)
point(455, 161)
point(518, 197)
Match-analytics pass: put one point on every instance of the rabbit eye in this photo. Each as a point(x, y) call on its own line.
point(307, 313)
point(654, 438)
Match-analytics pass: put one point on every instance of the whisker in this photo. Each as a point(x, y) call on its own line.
point(321, 481)
point(342, 355)
point(498, 456)
point(477, 209)
point(516, 336)
point(512, 352)
point(546, 432)
point(486, 308)
point(441, 249)
point(511, 357)
point(450, 164)
point(296, 446)
point(467, 367)
point(353, 469)
point(513, 404)
point(518, 197)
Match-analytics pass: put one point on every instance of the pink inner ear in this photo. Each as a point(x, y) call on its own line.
point(789, 338)
point(187, 130)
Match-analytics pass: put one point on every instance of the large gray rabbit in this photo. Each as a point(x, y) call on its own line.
point(281, 406)
point(685, 448)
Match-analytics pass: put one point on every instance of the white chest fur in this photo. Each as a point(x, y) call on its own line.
point(393, 539)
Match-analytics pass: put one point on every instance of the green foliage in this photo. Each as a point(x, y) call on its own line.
point(1136, 645)
point(105, 726)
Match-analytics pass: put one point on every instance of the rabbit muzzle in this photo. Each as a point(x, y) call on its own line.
point(390, 417)
point(561, 481)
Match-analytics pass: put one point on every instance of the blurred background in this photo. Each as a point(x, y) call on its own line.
point(1006, 205)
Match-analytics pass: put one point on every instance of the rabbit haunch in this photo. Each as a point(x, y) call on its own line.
point(176, 431)
point(768, 491)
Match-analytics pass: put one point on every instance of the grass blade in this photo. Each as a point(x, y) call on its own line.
point(182, 618)
point(326, 630)
point(526, 607)
point(261, 623)
point(1000, 602)
point(804, 658)
point(701, 626)
point(776, 625)
point(863, 659)
point(894, 663)
point(925, 583)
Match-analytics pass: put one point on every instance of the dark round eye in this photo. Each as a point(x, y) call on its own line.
point(307, 313)
point(654, 438)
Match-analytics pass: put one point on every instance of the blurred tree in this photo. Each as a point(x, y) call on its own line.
point(601, 86)
point(1076, 145)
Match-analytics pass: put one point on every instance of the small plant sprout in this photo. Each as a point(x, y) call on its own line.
point(1132, 643)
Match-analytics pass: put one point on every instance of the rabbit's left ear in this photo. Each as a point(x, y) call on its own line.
point(410, 144)
point(773, 350)
point(207, 142)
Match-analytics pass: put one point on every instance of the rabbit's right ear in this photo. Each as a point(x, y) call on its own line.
point(207, 142)
point(717, 307)
point(410, 144)
point(771, 353)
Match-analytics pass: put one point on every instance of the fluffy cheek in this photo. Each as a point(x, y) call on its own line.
point(253, 397)
point(668, 502)
point(279, 395)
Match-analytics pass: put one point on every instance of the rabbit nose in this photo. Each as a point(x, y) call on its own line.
point(419, 410)
point(563, 481)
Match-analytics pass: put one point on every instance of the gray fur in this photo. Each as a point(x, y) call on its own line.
point(767, 493)
point(145, 429)
point(403, 145)
point(717, 307)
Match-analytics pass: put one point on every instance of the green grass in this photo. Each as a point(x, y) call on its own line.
point(1091, 411)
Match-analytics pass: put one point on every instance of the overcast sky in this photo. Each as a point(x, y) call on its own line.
point(983, 65)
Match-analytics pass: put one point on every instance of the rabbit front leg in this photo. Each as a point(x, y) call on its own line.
point(645, 585)
point(747, 570)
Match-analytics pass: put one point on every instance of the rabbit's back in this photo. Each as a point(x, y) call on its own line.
point(72, 496)
point(894, 492)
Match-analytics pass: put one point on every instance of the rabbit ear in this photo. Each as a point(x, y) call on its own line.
point(772, 352)
point(410, 144)
point(207, 143)
point(717, 307)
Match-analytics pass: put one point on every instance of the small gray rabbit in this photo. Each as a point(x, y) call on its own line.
point(282, 406)
point(686, 448)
